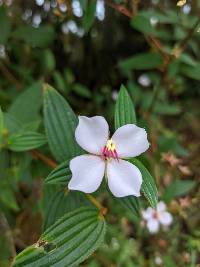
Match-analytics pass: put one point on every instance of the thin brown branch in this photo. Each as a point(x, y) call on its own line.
point(9, 76)
point(120, 8)
point(179, 49)
point(37, 155)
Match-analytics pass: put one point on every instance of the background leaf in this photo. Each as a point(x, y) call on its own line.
point(36, 37)
point(5, 26)
point(27, 105)
point(26, 141)
point(142, 61)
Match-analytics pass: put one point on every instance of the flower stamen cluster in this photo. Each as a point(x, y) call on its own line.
point(109, 151)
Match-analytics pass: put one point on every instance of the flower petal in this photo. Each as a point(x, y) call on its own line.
point(148, 213)
point(161, 206)
point(87, 173)
point(124, 179)
point(92, 133)
point(165, 218)
point(130, 140)
point(153, 226)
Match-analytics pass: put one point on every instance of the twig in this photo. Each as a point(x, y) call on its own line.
point(51, 163)
point(36, 154)
point(120, 8)
point(9, 76)
point(183, 44)
point(92, 199)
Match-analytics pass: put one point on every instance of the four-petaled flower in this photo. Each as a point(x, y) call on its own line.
point(105, 157)
point(154, 218)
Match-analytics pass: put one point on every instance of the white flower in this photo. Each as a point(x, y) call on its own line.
point(156, 217)
point(105, 157)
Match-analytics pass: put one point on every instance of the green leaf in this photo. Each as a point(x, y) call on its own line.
point(82, 90)
point(7, 197)
point(178, 188)
point(1, 124)
point(131, 203)
point(148, 185)
point(89, 15)
point(60, 124)
point(25, 141)
point(142, 24)
point(27, 105)
point(191, 71)
point(60, 175)
point(124, 114)
point(36, 37)
point(11, 124)
point(66, 243)
point(5, 26)
point(124, 109)
point(142, 61)
point(62, 202)
point(167, 109)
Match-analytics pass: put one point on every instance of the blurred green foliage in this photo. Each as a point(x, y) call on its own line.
point(86, 50)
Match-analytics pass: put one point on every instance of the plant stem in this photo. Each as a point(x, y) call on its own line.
point(94, 201)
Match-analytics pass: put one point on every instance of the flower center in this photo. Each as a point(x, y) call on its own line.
point(155, 215)
point(109, 151)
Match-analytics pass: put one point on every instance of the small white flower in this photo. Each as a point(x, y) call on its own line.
point(158, 260)
point(156, 217)
point(105, 157)
point(144, 80)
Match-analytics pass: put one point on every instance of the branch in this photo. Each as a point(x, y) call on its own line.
point(120, 8)
point(9, 76)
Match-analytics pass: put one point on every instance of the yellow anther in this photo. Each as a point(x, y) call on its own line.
point(110, 145)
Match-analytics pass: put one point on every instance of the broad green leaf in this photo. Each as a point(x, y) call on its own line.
point(62, 202)
point(5, 26)
point(60, 124)
point(66, 243)
point(148, 185)
point(59, 175)
point(27, 105)
point(142, 24)
point(36, 37)
point(142, 61)
point(25, 141)
point(124, 109)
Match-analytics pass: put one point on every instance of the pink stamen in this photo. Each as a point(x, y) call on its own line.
point(104, 152)
point(116, 155)
point(109, 153)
